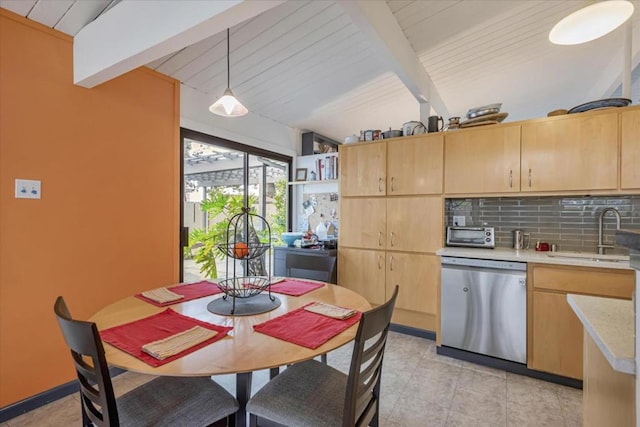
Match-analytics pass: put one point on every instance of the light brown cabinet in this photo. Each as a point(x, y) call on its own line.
point(630, 150)
point(576, 152)
point(414, 165)
point(363, 169)
point(363, 271)
point(555, 335)
point(482, 160)
point(390, 230)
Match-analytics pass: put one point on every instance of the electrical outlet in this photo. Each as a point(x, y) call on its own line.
point(459, 220)
point(28, 189)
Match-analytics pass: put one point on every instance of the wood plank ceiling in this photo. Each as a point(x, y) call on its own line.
point(306, 65)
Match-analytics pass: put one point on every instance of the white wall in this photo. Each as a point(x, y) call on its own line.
point(252, 129)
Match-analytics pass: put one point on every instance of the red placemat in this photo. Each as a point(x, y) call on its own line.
point(305, 328)
point(189, 291)
point(295, 287)
point(130, 337)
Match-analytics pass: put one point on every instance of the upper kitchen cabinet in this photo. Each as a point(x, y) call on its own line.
point(414, 165)
point(482, 160)
point(577, 152)
point(630, 150)
point(363, 169)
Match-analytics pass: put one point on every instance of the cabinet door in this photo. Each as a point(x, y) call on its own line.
point(418, 277)
point(363, 271)
point(482, 160)
point(414, 223)
point(630, 153)
point(414, 165)
point(571, 153)
point(557, 336)
point(363, 169)
point(362, 222)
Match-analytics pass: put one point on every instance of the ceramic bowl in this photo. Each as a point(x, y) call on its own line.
point(290, 237)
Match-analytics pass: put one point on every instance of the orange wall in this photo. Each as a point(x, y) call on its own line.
point(107, 223)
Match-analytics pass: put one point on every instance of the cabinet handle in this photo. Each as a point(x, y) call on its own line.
point(379, 185)
point(391, 239)
point(510, 178)
point(529, 177)
point(391, 263)
point(379, 264)
point(379, 238)
point(392, 182)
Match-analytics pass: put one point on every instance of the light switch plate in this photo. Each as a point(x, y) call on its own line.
point(28, 189)
point(459, 220)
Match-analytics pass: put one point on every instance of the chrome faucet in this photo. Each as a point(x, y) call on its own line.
point(601, 245)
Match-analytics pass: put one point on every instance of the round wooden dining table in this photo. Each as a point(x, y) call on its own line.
point(240, 353)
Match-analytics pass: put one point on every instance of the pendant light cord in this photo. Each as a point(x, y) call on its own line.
point(228, 66)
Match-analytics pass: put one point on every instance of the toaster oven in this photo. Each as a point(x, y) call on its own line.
point(477, 237)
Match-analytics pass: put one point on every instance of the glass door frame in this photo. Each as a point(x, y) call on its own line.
point(233, 145)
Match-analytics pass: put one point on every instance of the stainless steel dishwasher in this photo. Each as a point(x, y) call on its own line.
point(484, 307)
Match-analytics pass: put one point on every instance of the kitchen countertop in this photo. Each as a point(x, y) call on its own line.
point(579, 259)
point(610, 322)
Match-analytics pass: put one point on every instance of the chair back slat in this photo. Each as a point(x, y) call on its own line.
point(96, 390)
point(363, 385)
point(310, 267)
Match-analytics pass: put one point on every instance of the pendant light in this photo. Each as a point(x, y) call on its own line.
point(227, 105)
point(591, 22)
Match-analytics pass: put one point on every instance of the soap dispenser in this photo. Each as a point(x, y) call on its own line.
point(321, 229)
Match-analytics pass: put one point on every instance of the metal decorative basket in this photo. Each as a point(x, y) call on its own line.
point(248, 243)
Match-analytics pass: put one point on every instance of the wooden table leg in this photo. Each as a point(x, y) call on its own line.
point(243, 393)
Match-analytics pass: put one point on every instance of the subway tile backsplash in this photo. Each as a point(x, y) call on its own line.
point(569, 222)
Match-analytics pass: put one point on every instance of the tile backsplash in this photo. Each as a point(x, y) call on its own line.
point(569, 222)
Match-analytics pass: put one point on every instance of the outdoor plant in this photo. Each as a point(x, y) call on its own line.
point(220, 206)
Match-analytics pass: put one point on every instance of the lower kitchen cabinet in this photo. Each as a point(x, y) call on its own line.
point(362, 271)
point(555, 334)
point(418, 276)
point(374, 274)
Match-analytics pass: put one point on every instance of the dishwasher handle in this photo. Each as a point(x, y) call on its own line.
point(483, 263)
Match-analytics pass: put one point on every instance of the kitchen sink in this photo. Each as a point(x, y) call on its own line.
point(590, 257)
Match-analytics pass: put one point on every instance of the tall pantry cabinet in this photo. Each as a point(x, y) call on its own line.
point(391, 216)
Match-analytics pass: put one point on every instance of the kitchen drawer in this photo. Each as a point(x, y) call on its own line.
point(591, 281)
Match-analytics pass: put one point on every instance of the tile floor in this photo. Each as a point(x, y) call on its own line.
point(419, 388)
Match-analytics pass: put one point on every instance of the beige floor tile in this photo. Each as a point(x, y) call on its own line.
point(410, 414)
point(423, 392)
point(483, 407)
point(571, 405)
point(531, 416)
point(436, 370)
point(530, 391)
point(388, 402)
point(484, 369)
point(484, 383)
point(457, 419)
point(63, 412)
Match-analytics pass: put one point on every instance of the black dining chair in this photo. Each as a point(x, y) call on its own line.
point(310, 267)
point(164, 401)
point(312, 394)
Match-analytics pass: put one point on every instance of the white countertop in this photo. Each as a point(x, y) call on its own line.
point(580, 259)
point(610, 322)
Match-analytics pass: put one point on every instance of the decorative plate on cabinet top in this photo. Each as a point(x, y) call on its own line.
point(601, 103)
point(496, 117)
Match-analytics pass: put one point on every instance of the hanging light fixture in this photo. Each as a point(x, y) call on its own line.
point(591, 22)
point(227, 105)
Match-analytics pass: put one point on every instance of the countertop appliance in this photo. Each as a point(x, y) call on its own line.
point(481, 237)
point(484, 307)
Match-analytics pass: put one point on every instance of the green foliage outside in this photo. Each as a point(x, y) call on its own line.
point(220, 207)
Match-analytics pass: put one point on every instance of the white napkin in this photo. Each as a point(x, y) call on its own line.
point(162, 295)
point(330, 310)
point(275, 280)
point(174, 344)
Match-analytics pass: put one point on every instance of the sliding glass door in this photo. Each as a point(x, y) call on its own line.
point(219, 178)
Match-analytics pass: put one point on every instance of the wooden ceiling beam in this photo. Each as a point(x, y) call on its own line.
point(134, 33)
point(376, 21)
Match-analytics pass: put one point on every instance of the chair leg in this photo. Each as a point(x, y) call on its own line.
point(231, 420)
point(253, 420)
point(323, 358)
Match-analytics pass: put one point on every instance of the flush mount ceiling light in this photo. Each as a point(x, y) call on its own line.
point(227, 105)
point(591, 22)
